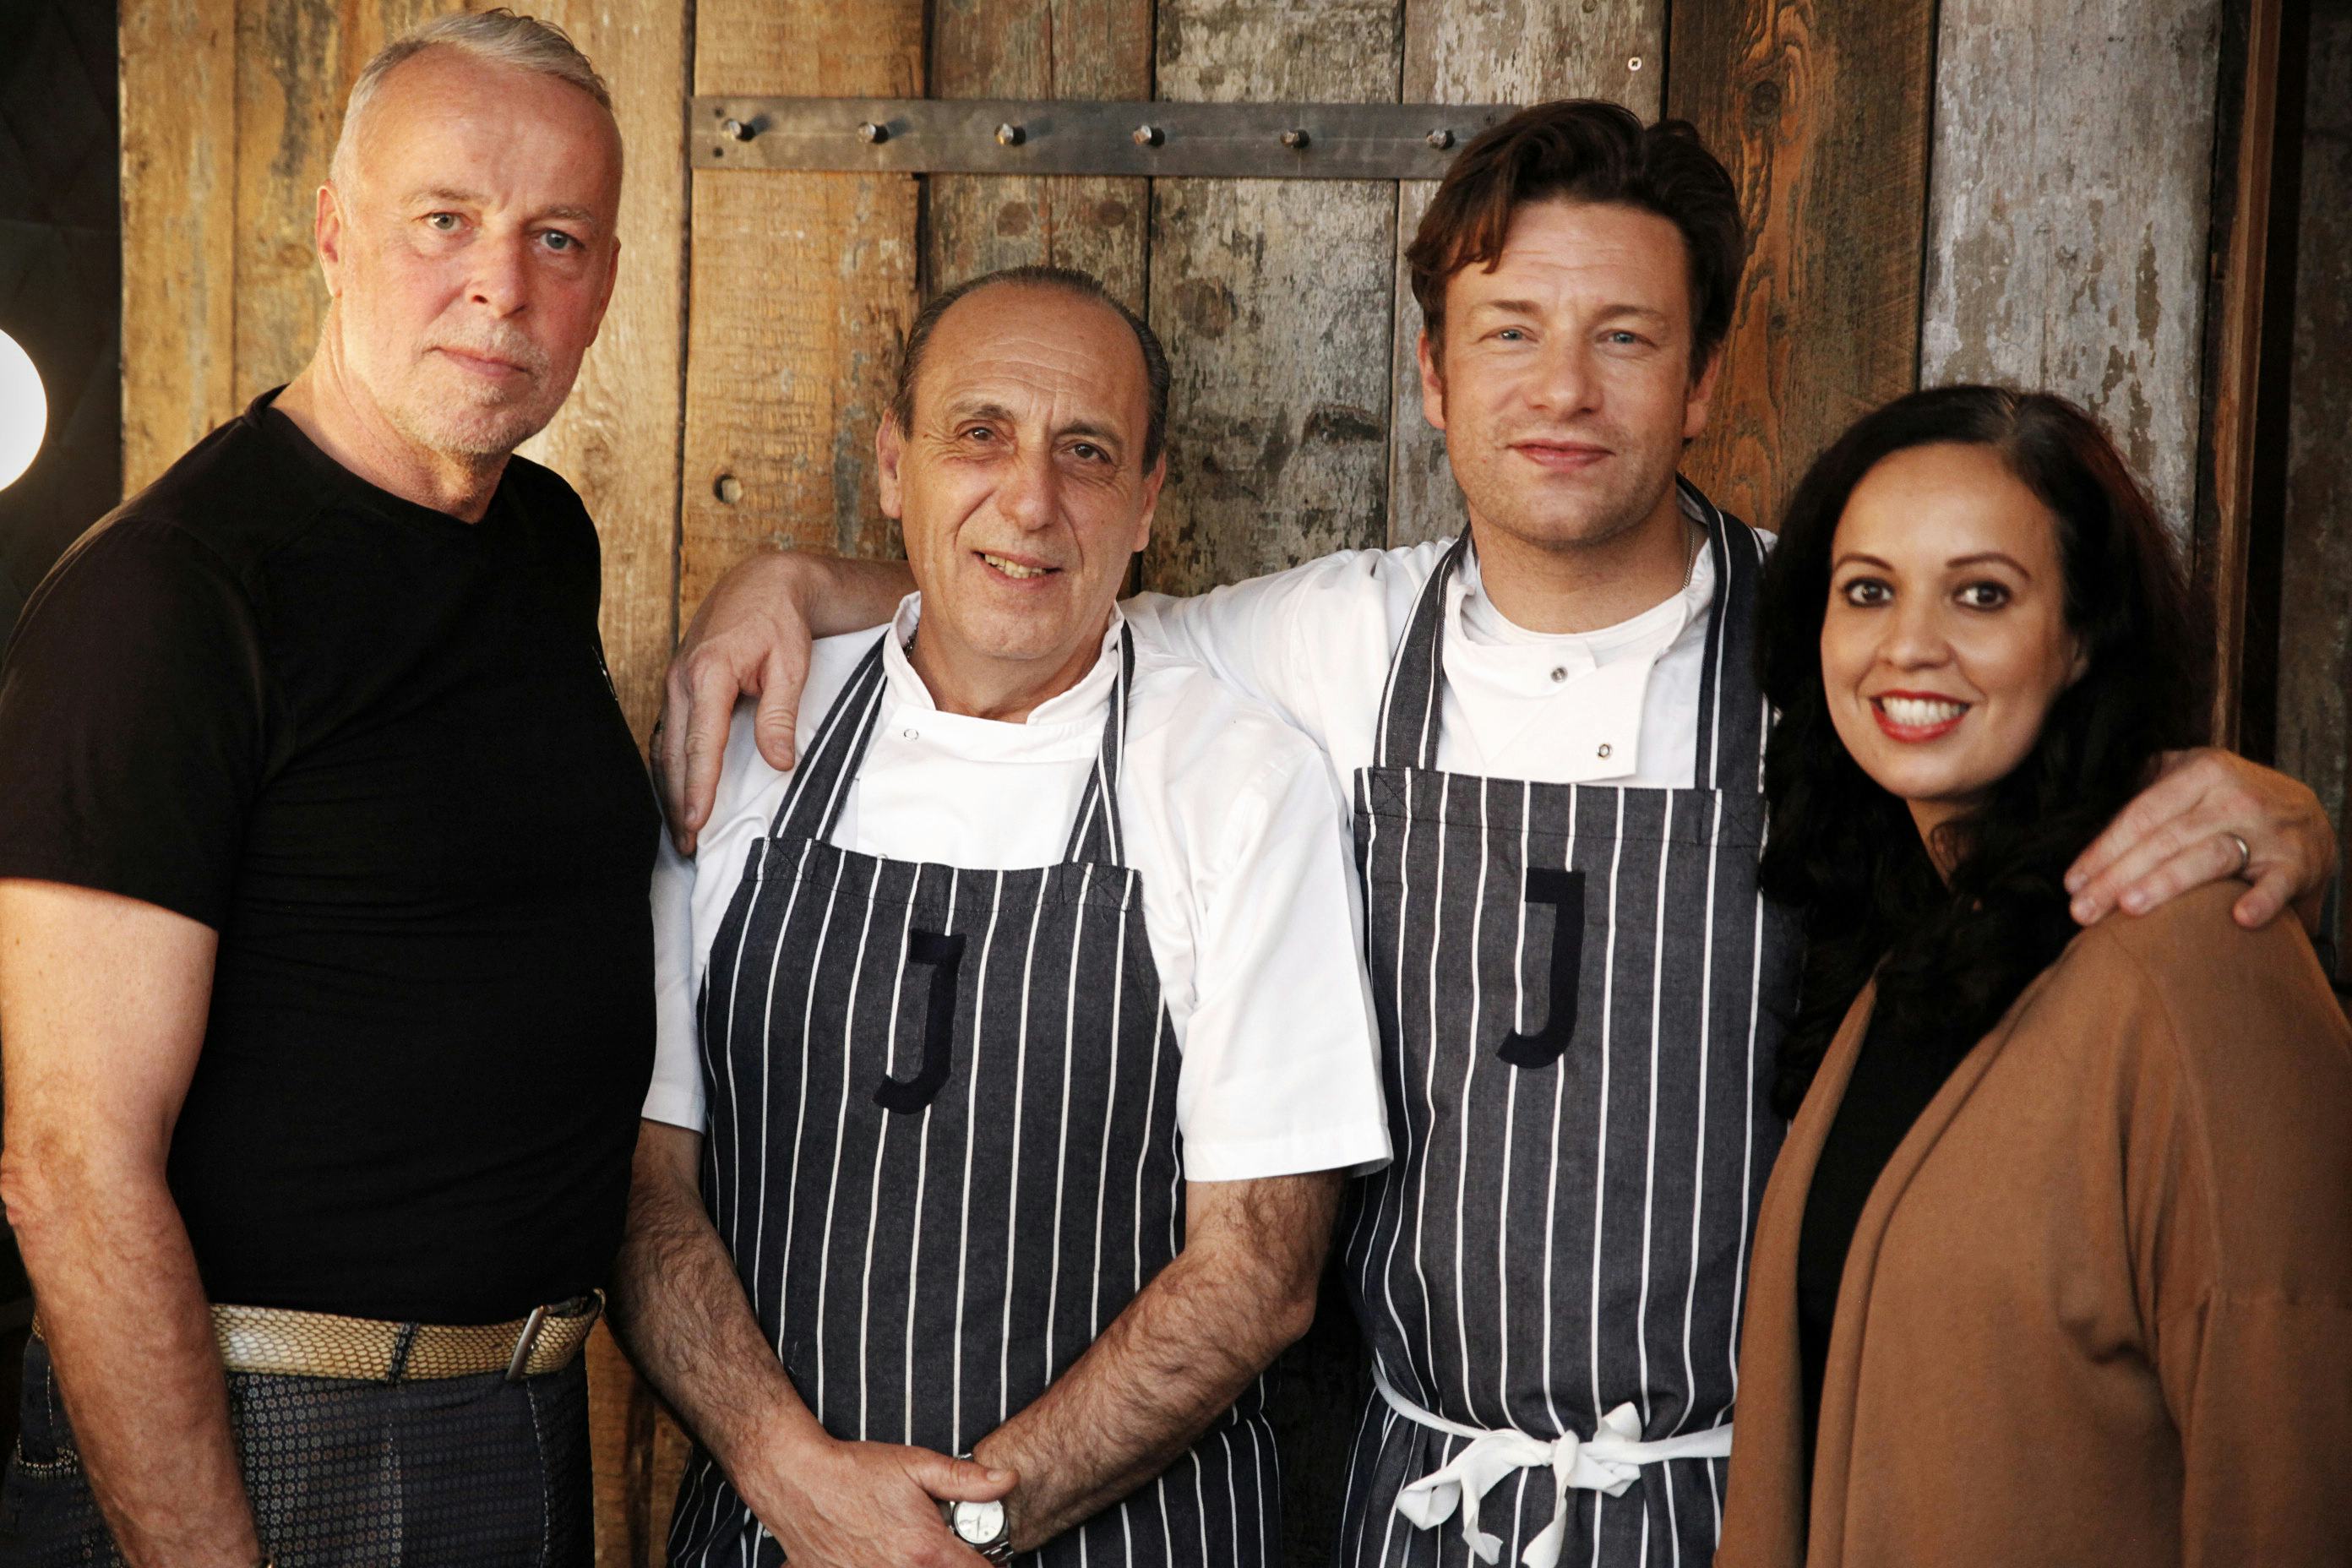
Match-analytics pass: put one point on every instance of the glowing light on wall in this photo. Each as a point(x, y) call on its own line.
point(24, 412)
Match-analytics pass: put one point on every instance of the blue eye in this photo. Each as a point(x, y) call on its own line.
point(559, 240)
point(442, 223)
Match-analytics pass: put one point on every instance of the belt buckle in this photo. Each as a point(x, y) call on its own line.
point(525, 1342)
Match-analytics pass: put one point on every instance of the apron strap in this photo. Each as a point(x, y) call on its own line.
point(1731, 718)
point(1096, 837)
point(1407, 737)
point(813, 801)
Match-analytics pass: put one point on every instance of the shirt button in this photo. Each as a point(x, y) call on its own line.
point(1604, 748)
point(912, 734)
point(1559, 672)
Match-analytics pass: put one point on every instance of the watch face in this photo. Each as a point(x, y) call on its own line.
point(979, 1524)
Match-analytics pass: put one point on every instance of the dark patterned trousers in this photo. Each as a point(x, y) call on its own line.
point(475, 1472)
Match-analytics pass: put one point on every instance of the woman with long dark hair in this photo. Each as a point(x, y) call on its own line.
point(2056, 1264)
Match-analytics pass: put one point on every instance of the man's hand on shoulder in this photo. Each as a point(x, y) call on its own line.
point(832, 1504)
point(752, 637)
point(2186, 829)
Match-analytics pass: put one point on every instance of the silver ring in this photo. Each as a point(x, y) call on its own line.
point(2245, 855)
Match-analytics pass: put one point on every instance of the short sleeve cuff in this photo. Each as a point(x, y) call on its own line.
point(676, 1106)
point(1358, 1149)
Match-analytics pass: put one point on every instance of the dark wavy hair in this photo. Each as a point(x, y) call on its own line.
point(1584, 150)
point(1951, 959)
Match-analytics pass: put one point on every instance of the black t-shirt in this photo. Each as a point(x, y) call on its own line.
point(375, 748)
point(1892, 1083)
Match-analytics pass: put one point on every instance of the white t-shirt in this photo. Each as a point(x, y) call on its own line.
point(1233, 819)
point(1615, 706)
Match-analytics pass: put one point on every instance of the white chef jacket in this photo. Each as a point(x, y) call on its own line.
point(1618, 706)
point(1233, 819)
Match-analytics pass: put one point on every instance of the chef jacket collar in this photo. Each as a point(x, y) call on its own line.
point(1659, 627)
point(1079, 709)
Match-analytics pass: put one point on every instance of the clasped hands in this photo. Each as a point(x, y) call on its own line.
point(836, 1504)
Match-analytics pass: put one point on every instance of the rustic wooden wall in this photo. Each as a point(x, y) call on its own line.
point(2004, 189)
point(2067, 223)
point(2314, 622)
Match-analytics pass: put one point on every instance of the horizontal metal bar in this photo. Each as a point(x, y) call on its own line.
point(1006, 136)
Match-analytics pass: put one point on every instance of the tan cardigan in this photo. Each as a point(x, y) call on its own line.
point(2098, 1308)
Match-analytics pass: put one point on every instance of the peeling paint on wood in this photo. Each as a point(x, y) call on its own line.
point(803, 286)
point(1273, 299)
point(2068, 211)
point(1820, 109)
point(1495, 51)
point(1039, 49)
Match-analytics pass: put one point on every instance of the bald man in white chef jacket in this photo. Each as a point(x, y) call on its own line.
point(1015, 1043)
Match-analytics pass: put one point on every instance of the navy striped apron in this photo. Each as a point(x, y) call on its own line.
point(1579, 990)
point(943, 1151)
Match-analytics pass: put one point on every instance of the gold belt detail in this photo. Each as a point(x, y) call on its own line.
point(287, 1343)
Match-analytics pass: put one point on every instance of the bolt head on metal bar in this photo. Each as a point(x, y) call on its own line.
point(1156, 139)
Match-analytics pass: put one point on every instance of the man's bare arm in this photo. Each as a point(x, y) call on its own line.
point(751, 637)
point(102, 1008)
point(2177, 835)
point(1241, 1291)
point(680, 1311)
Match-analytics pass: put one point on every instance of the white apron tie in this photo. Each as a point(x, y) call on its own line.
point(1609, 1461)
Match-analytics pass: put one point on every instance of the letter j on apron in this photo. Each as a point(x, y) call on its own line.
point(943, 1148)
point(1580, 992)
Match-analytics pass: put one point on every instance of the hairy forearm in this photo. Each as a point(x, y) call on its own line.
point(1170, 1364)
point(130, 1332)
point(679, 1310)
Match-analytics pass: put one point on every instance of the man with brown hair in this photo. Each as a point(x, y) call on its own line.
point(325, 967)
point(1555, 733)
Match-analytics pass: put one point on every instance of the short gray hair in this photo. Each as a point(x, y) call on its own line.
point(499, 35)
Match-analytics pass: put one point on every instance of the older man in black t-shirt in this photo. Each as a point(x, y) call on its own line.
point(325, 962)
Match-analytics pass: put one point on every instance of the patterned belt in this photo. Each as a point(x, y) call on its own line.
point(287, 1343)
point(1608, 1461)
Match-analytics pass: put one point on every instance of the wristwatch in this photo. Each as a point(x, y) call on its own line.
point(982, 1526)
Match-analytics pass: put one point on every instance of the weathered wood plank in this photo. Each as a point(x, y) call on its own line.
point(2067, 212)
point(2244, 477)
point(1039, 49)
point(2314, 688)
point(296, 60)
point(617, 438)
point(1820, 109)
point(1495, 51)
point(803, 286)
point(1273, 299)
point(178, 77)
